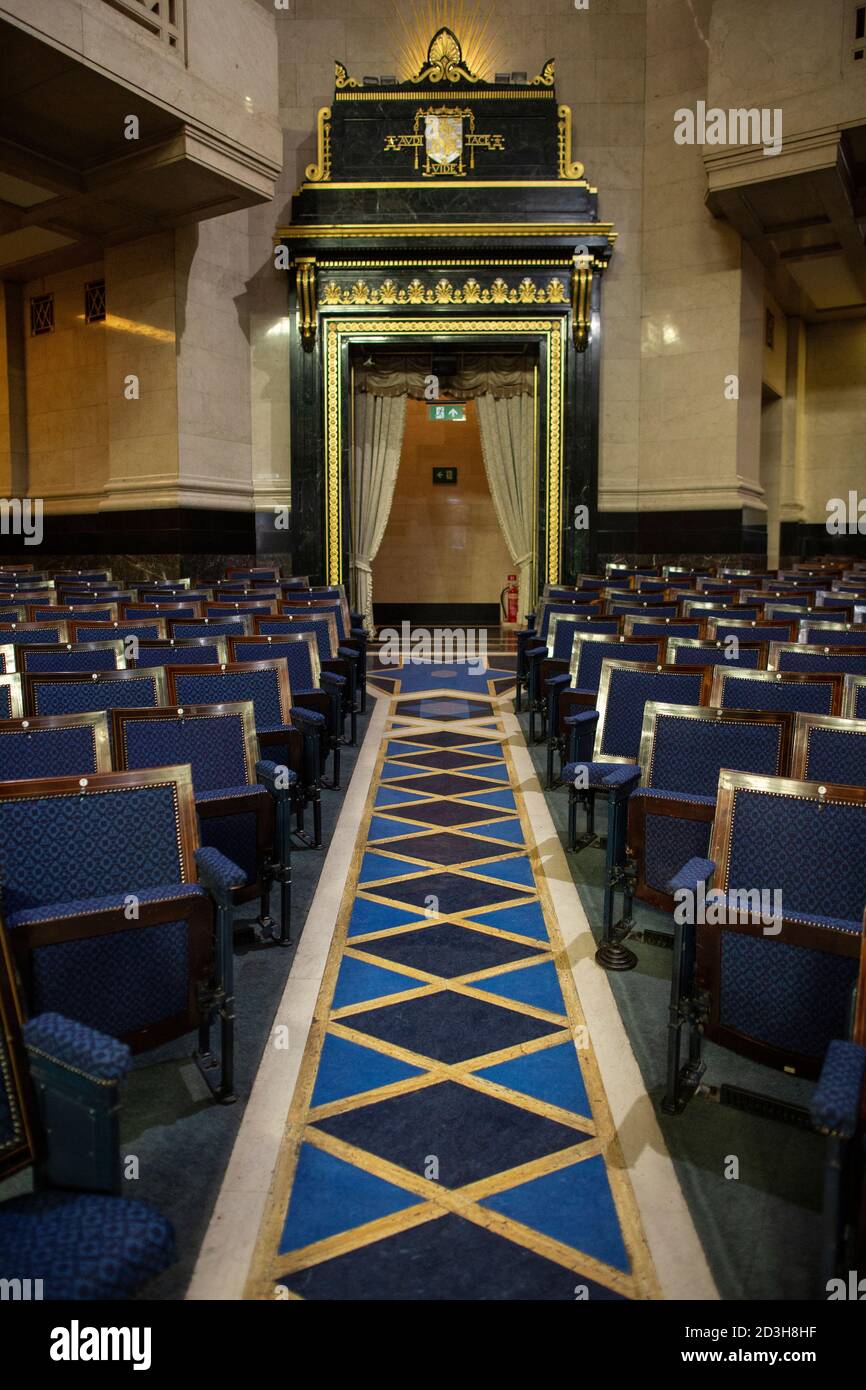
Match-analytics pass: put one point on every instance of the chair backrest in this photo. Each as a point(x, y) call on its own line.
point(750, 630)
point(833, 634)
point(70, 656)
point(585, 603)
point(635, 625)
point(11, 695)
point(95, 612)
point(15, 614)
point(169, 609)
point(683, 748)
point(67, 838)
point(184, 651)
point(734, 688)
point(323, 628)
point(23, 634)
point(623, 692)
point(699, 608)
point(217, 608)
point(217, 741)
point(54, 745)
point(782, 997)
point(854, 697)
point(105, 632)
point(174, 594)
point(795, 656)
point(313, 607)
point(560, 634)
point(589, 652)
point(829, 749)
point(297, 649)
point(74, 691)
point(253, 572)
point(631, 608)
point(265, 683)
point(89, 598)
point(788, 612)
point(208, 627)
point(686, 651)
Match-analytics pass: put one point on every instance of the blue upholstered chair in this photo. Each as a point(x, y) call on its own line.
point(700, 608)
point(828, 748)
point(183, 651)
point(14, 634)
point(13, 613)
point(766, 966)
point(832, 634)
point(854, 697)
point(96, 576)
point(351, 635)
point(54, 745)
point(314, 684)
point(174, 593)
point(251, 573)
point(838, 1109)
point(73, 1238)
point(104, 632)
point(90, 598)
point(638, 608)
point(608, 766)
point(641, 625)
point(170, 609)
point(71, 692)
point(568, 694)
point(209, 627)
point(288, 734)
point(686, 651)
point(814, 659)
point(683, 748)
point(105, 918)
point(534, 634)
point(734, 688)
point(70, 656)
point(94, 612)
point(332, 656)
point(554, 657)
point(237, 814)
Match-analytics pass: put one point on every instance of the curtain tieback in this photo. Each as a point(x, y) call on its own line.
point(523, 559)
point(361, 565)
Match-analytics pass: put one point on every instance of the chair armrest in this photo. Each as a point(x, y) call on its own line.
point(623, 777)
point(279, 779)
point(357, 621)
point(555, 683)
point(835, 1101)
point(581, 717)
point(331, 680)
point(349, 649)
point(695, 872)
point(357, 630)
point(532, 652)
point(307, 720)
point(219, 874)
point(74, 1047)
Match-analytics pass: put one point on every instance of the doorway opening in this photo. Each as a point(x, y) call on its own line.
point(446, 447)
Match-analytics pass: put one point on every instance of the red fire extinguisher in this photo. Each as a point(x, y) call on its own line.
point(508, 600)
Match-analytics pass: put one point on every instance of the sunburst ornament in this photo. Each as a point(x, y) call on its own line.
point(472, 57)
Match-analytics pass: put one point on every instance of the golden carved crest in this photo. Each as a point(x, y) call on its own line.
point(445, 61)
point(444, 292)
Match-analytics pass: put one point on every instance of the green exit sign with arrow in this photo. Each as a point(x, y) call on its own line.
point(446, 412)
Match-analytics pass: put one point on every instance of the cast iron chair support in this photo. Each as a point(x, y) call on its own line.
point(684, 1011)
point(220, 877)
point(613, 954)
point(277, 779)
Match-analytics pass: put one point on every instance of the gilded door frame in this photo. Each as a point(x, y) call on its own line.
point(338, 331)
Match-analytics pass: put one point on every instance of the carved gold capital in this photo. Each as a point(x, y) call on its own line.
point(320, 172)
point(568, 168)
point(306, 289)
point(581, 301)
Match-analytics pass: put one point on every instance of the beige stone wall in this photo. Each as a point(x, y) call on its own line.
point(835, 399)
point(67, 397)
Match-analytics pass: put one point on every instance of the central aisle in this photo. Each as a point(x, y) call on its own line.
point(449, 1136)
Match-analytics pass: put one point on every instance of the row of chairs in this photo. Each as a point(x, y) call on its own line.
point(735, 785)
point(147, 785)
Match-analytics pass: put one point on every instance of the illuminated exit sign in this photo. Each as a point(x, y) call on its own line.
point(446, 412)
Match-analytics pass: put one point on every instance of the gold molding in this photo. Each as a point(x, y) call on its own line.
point(547, 76)
point(568, 168)
point(342, 78)
point(320, 172)
point(466, 230)
point(581, 302)
point(306, 288)
point(557, 262)
point(527, 292)
point(480, 94)
point(337, 329)
point(475, 183)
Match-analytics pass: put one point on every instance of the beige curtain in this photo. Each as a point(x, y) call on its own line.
point(507, 442)
point(379, 422)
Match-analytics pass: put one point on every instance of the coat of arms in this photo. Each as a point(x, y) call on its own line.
point(439, 132)
point(443, 138)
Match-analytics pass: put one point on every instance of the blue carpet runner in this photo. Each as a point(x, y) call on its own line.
point(449, 1137)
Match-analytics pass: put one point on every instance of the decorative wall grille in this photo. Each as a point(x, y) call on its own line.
point(41, 314)
point(165, 20)
point(94, 301)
